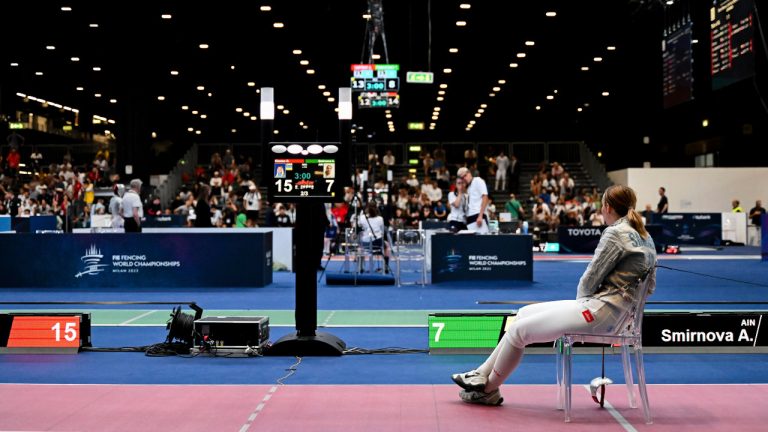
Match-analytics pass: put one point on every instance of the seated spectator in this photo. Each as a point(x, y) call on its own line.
point(440, 211)
point(154, 208)
point(281, 218)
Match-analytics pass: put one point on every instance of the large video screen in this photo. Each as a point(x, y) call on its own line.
point(732, 33)
point(677, 56)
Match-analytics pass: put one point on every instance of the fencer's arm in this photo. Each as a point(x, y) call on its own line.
point(607, 254)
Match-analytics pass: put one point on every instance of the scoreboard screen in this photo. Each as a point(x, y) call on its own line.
point(677, 56)
point(44, 333)
point(306, 172)
point(733, 45)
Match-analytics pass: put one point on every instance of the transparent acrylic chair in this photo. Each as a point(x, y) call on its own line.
point(410, 247)
point(629, 334)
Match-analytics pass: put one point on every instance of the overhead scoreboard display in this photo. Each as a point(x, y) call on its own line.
point(306, 172)
point(677, 56)
point(44, 333)
point(733, 42)
point(378, 85)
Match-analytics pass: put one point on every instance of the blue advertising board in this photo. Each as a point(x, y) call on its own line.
point(164, 221)
point(135, 260)
point(584, 239)
point(459, 257)
point(33, 224)
point(689, 228)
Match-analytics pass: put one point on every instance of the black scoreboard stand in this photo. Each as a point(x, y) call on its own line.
point(308, 174)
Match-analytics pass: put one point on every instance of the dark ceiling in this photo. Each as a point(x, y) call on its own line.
point(137, 49)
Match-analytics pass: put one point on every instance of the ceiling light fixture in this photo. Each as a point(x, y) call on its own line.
point(551, 14)
point(310, 71)
point(611, 48)
point(461, 23)
point(75, 59)
point(465, 6)
point(296, 52)
point(598, 59)
point(278, 25)
point(513, 65)
point(174, 72)
point(530, 43)
point(203, 46)
point(66, 9)
point(166, 16)
point(453, 50)
point(265, 8)
point(93, 25)
point(496, 89)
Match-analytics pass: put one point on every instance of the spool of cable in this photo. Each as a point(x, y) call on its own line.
point(180, 327)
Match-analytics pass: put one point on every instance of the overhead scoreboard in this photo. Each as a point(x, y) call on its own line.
point(306, 172)
point(44, 333)
point(732, 35)
point(378, 85)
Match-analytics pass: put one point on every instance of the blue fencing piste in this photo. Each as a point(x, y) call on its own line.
point(136, 260)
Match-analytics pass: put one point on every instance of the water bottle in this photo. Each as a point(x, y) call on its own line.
point(525, 227)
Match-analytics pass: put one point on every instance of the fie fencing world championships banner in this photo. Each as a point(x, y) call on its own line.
point(135, 260)
point(458, 257)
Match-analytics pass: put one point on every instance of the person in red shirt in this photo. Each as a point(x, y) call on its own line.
point(13, 159)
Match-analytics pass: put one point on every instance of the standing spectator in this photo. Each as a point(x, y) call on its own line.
point(428, 162)
point(228, 160)
point(252, 200)
point(133, 209)
point(13, 159)
point(203, 209)
point(15, 140)
point(457, 201)
point(515, 209)
point(389, 159)
point(36, 158)
point(663, 205)
point(115, 206)
point(557, 170)
point(502, 165)
point(514, 174)
point(736, 207)
point(477, 201)
point(756, 212)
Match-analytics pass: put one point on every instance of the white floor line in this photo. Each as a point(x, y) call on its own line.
point(145, 314)
point(258, 409)
point(616, 415)
point(328, 319)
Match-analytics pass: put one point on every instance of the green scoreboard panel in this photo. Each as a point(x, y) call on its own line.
point(452, 333)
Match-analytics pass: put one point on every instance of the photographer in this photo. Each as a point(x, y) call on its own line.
point(252, 200)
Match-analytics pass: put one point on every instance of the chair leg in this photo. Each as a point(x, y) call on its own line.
point(559, 373)
point(567, 377)
point(628, 375)
point(641, 383)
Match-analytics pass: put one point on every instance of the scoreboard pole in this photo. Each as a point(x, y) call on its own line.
point(310, 231)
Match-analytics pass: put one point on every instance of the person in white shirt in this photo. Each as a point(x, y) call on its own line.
point(252, 200)
point(502, 165)
point(389, 159)
point(133, 209)
point(477, 201)
point(372, 224)
point(115, 205)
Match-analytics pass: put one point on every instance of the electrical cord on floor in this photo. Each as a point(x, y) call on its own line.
point(291, 370)
point(386, 350)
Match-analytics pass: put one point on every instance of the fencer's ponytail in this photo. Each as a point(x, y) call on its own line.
point(636, 221)
point(623, 200)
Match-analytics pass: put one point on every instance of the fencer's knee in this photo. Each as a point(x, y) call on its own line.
point(514, 337)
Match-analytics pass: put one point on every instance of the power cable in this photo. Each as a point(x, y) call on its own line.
point(387, 350)
point(291, 370)
point(712, 276)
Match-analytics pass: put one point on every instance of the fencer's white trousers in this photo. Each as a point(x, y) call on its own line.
point(546, 322)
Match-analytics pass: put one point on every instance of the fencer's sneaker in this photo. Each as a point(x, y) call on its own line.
point(481, 398)
point(470, 381)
